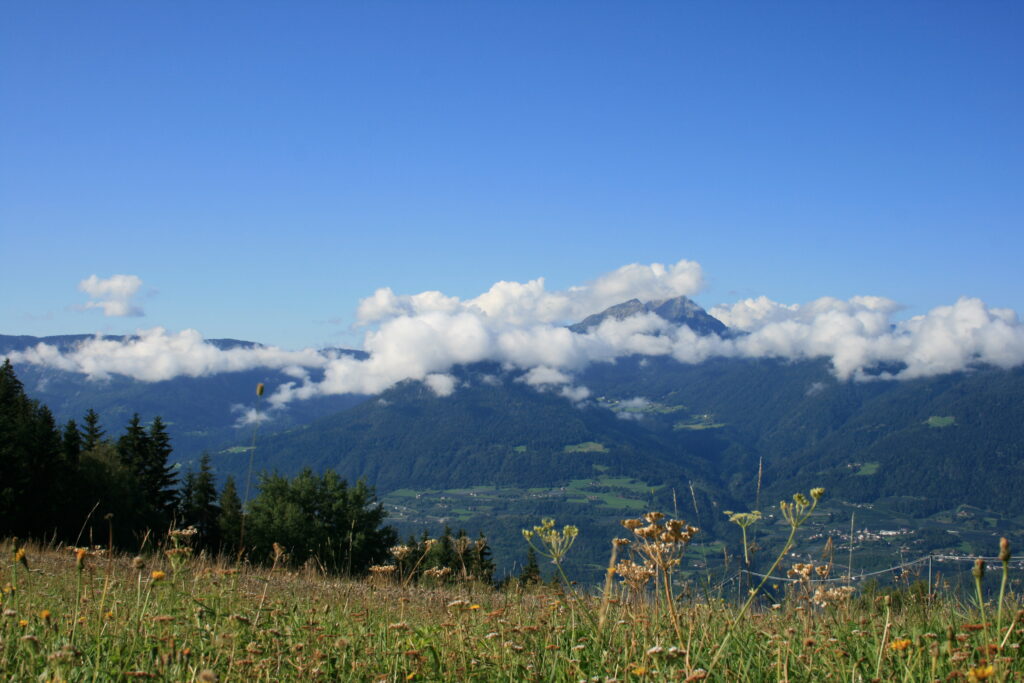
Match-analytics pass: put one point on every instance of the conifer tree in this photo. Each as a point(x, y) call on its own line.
point(158, 476)
point(229, 522)
point(531, 571)
point(92, 433)
point(199, 504)
point(133, 447)
point(71, 444)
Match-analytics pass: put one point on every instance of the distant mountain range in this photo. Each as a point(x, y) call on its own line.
point(724, 434)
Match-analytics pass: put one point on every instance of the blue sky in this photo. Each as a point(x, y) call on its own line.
point(263, 166)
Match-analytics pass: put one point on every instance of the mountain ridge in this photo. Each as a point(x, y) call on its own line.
point(680, 310)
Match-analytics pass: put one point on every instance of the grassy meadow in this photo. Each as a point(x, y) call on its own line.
point(89, 615)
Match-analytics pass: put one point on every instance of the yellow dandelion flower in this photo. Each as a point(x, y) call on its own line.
point(474, 607)
point(22, 623)
point(900, 644)
point(158, 575)
point(45, 615)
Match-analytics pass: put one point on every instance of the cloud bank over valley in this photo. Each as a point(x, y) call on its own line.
point(523, 327)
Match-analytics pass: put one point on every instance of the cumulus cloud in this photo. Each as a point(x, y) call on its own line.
point(156, 354)
point(520, 326)
point(249, 416)
point(113, 295)
point(524, 303)
point(440, 384)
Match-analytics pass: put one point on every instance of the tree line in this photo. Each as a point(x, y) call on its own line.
point(76, 485)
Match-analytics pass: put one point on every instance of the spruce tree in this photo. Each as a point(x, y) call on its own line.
point(71, 444)
point(229, 522)
point(92, 433)
point(133, 447)
point(158, 476)
point(200, 504)
point(531, 571)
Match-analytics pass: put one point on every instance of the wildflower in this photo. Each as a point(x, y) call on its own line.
point(437, 572)
point(980, 673)
point(636, 576)
point(400, 552)
point(158, 575)
point(801, 571)
point(19, 556)
point(979, 569)
point(45, 615)
point(1004, 549)
point(22, 623)
point(555, 544)
point(823, 597)
point(900, 644)
point(80, 554)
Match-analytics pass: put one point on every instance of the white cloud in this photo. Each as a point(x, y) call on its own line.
point(249, 416)
point(542, 375)
point(528, 303)
point(441, 385)
point(520, 326)
point(155, 354)
point(113, 294)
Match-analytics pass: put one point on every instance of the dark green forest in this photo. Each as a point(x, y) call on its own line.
point(75, 485)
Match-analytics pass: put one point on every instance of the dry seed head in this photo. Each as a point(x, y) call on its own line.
point(632, 524)
point(437, 572)
point(1004, 549)
point(138, 562)
point(653, 517)
point(801, 571)
point(979, 569)
point(400, 552)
